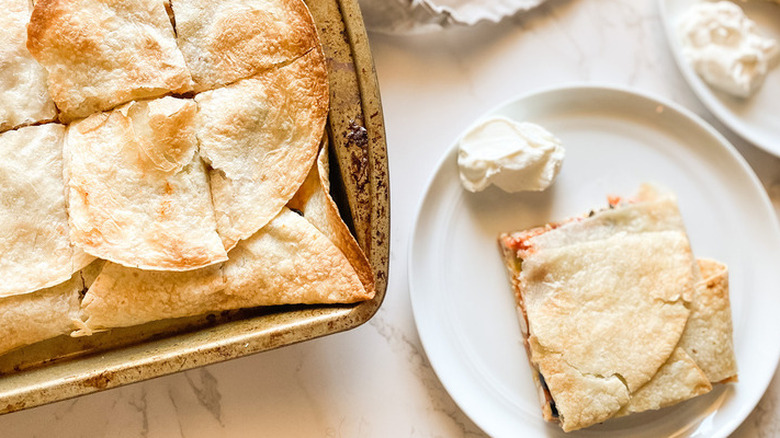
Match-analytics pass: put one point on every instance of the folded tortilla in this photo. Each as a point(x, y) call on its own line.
point(229, 40)
point(260, 136)
point(101, 53)
point(314, 201)
point(138, 191)
point(679, 379)
point(605, 302)
point(579, 299)
point(24, 99)
point(36, 252)
point(708, 335)
point(705, 354)
point(287, 262)
point(46, 313)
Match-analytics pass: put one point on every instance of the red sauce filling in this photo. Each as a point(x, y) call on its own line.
point(519, 241)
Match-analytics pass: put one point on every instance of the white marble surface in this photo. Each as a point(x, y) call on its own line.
point(375, 381)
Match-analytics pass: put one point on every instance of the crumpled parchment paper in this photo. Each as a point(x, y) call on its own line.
point(419, 16)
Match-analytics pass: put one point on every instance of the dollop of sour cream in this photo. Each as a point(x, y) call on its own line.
point(725, 48)
point(515, 156)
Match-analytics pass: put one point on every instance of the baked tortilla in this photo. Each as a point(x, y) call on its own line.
point(565, 276)
point(103, 53)
point(650, 211)
point(260, 137)
point(23, 96)
point(705, 353)
point(581, 399)
point(708, 335)
point(314, 201)
point(43, 314)
point(574, 312)
point(229, 40)
point(138, 191)
point(679, 379)
point(287, 262)
point(290, 262)
point(36, 252)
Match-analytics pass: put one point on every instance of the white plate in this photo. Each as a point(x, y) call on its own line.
point(756, 119)
point(614, 139)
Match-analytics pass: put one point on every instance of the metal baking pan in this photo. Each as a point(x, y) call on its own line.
point(66, 367)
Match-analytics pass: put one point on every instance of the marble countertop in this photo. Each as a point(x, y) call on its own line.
point(376, 380)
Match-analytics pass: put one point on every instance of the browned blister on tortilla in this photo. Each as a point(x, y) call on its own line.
point(260, 136)
point(229, 40)
point(287, 262)
point(24, 98)
point(101, 53)
point(138, 191)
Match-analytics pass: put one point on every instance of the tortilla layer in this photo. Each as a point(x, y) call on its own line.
point(36, 252)
point(565, 277)
point(100, 54)
point(314, 201)
point(23, 96)
point(229, 40)
point(287, 262)
point(138, 191)
point(260, 136)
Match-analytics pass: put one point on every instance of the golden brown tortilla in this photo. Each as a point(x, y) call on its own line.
point(45, 313)
point(708, 335)
point(260, 136)
point(581, 300)
point(101, 53)
point(23, 95)
point(287, 262)
point(705, 353)
point(581, 399)
point(679, 379)
point(138, 191)
point(229, 40)
point(313, 199)
point(605, 298)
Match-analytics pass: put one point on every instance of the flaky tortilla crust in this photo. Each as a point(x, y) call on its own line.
point(138, 191)
point(647, 216)
point(45, 313)
point(24, 98)
point(708, 335)
point(313, 199)
point(104, 60)
point(287, 262)
point(260, 136)
point(229, 40)
point(594, 397)
point(36, 251)
point(100, 53)
point(679, 379)
point(575, 314)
